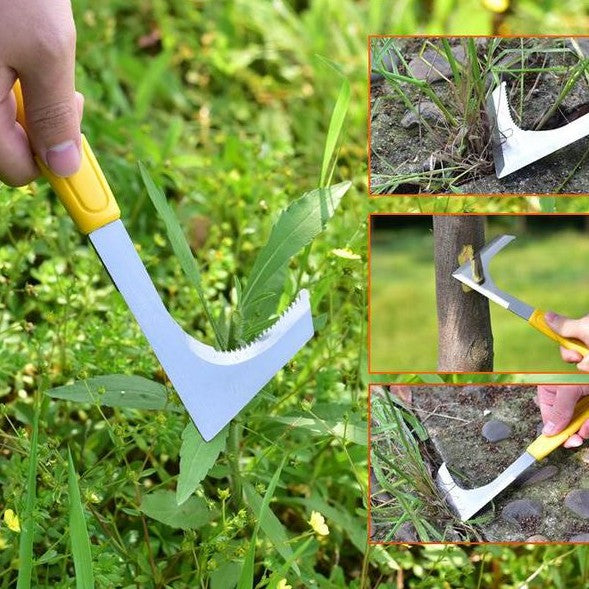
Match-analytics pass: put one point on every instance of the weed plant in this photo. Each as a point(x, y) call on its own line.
point(460, 141)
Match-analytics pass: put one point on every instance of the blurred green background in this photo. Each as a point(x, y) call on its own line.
point(546, 266)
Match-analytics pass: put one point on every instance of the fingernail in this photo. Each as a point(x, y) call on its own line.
point(549, 428)
point(574, 443)
point(550, 317)
point(63, 158)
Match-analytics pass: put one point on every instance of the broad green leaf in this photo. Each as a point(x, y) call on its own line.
point(196, 459)
point(116, 390)
point(271, 525)
point(161, 505)
point(179, 245)
point(296, 227)
point(246, 580)
point(79, 540)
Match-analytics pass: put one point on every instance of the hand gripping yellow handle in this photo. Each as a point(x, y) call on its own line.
point(538, 321)
point(542, 446)
point(86, 195)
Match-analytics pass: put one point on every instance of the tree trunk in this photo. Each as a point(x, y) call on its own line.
point(465, 339)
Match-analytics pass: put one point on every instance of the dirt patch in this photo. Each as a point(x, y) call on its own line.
point(452, 153)
point(454, 417)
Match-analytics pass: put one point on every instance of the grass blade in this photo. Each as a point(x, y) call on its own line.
point(25, 550)
point(179, 245)
point(246, 580)
point(335, 128)
point(271, 526)
point(78, 532)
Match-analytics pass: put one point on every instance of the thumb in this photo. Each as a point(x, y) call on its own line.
point(567, 327)
point(53, 120)
point(558, 415)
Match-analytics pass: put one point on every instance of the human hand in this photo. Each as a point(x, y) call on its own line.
point(37, 45)
point(557, 404)
point(575, 328)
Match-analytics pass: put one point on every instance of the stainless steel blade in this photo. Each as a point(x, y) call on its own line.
point(513, 147)
point(214, 386)
point(485, 285)
point(468, 502)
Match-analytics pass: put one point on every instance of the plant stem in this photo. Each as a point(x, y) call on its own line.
point(233, 443)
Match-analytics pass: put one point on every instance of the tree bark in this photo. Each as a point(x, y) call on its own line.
point(465, 339)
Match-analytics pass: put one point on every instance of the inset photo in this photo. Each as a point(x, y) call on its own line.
point(479, 115)
point(479, 293)
point(479, 463)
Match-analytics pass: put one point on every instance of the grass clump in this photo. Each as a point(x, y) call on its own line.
point(443, 85)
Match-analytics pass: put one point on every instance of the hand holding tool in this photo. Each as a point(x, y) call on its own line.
point(468, 502)
point(513, 147)
point(475, 274)
point(213, 385)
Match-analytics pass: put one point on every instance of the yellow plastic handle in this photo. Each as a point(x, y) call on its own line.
point(86, 195)
point(542, 446)
point(538, 321)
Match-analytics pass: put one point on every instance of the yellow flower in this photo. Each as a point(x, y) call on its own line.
point(496, 5)
point(346, 253)
point(282, 584)
point(11, 520)
point(317, 522)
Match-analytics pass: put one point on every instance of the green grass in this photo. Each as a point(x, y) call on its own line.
point(229, 106)
point(544, 270)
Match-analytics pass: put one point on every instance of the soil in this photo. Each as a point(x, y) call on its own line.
point(399, 153)
point(454, 417)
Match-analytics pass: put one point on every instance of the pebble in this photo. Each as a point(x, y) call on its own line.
point(537, 475)
point(522, 512)
point(427, 111)
point(537, 538)
point(578, 502)
point(388, 60)
point(432, 66)
point(406, 533)
point(496, 430)
point(579, 538)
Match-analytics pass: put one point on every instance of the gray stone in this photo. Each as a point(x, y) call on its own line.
point(388, 61)
point(432, 66)
point(578, 502)
point(522, 512)
point(537, 538)
point(406, 533)
point(579, 538)
point(537, 475)
point(496, 430)
point(427, 111)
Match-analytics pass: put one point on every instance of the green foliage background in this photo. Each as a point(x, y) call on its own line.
point(228, 104)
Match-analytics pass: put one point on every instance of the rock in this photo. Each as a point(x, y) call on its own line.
point(425, 111)
point(578, 502)
point(432, 66)
point(579, 538)
point(522, 512)
point(537, 538)
point(496, 430)
point(537, 475)
point(388, 60)
point(406, 533)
